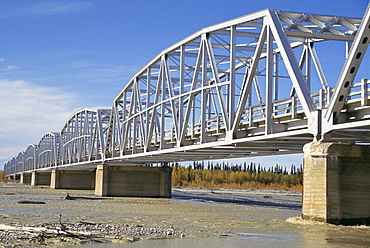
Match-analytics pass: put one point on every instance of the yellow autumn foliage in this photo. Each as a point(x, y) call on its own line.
point(187, 176)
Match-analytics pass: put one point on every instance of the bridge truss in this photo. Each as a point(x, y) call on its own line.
point(251, 86)
point(257, 85)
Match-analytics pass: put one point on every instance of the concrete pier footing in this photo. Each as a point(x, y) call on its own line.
point(40, 178)
point(336, 186)
point(70, 179)
point(134, 181)
point(13, 177)
point(25, 178)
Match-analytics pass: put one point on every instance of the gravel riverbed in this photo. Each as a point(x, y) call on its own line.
point(37, 216)
point(42, 217)
point(69, 234)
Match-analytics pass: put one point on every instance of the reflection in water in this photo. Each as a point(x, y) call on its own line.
point(237, 218)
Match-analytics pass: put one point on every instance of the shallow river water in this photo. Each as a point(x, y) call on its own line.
point(234, 218)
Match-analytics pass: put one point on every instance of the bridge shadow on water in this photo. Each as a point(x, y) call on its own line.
point(291, 202)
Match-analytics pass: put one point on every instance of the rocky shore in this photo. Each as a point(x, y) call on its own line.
point(67, 234)
point(42, 217)
point(37, 216)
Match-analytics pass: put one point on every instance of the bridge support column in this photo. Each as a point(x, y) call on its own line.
point(25, 178)
point(70, 179)
point(12, 177)
point(336, 186)
point(134, 181)
point(40, 178)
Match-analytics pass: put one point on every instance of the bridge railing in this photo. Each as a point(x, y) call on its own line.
point(359, 92)
point(284, 111)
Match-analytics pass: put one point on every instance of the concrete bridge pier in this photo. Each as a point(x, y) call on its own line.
point(72, 179)
point(40, 178)
point(134, 181)
point(336, 186)
point(11, 177)
point(25, 178)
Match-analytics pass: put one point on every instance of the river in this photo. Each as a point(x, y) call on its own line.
point(234, 218)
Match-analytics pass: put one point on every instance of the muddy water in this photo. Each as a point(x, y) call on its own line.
point(250, 218)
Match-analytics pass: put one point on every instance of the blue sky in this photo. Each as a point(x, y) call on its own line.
point(60, 56)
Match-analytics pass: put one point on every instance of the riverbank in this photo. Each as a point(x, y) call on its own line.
point(67, 234)
point(84, 218)
point(196, 217)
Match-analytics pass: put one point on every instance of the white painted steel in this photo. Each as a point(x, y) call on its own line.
point(83, 135)
point(235, 89)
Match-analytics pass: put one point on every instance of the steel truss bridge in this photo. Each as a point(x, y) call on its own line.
point(252, 86)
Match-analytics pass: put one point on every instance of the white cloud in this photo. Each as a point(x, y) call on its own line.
point(53, 8)
point(11, 67)
point(1, 59)
point(50, 8)
point(28, 112)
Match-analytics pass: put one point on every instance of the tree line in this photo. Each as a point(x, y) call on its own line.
point(252, 176)
point(214, 174)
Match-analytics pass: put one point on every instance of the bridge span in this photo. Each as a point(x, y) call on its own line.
point(261, 84)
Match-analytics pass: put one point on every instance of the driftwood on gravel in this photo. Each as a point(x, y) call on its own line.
point(84, 232)
point(71, 234)
point(69, 197)
point(41, 230)
point(30, 202)
point(62, 230)
point(8, 228)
